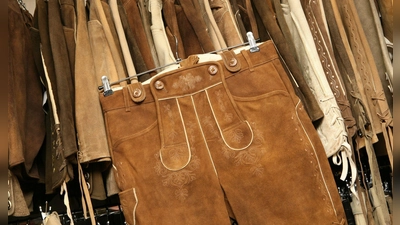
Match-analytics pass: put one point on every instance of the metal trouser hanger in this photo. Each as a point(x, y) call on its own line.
point(106, 88)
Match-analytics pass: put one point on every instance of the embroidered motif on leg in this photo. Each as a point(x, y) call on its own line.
point(251, 156)
point(178, 179)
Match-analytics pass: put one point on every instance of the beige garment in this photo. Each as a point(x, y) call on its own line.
point(16, 201)
point(122, 38)
point(331, 129)
point(163, 49)
point(102, 22)
point(52, 219)
point(215, 33)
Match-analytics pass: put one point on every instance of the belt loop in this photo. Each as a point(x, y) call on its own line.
point(248, 60)
point(126, 99)
point(231, 62)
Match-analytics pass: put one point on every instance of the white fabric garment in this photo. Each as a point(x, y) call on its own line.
point(331, 130)
point(163, 49)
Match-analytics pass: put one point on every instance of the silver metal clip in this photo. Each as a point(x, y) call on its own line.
point(107, 91)
point(252, 42)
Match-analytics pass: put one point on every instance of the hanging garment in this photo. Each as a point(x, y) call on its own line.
point(380, 112)
point(58, 169)
point(173, 30)
point(26, 119)
point(213, 29)
point(163, 49)
point(223, 16)
point(111, 24)
point(92, 146)
point(144, 13)
point(136, 37)
point(206, 126)
point(315, 16)
point(243, 11)
point(290, 64)
point(356, 44)
point(386, 11)
point(239, 20)
point(52, 219)
point(195, 13)
point(63, 78)
point(331, 128)
point(16, 202)
point(68, 18)
point(372, 28)
point(98, 13)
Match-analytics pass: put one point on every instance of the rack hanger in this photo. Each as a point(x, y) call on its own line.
point(252, 42)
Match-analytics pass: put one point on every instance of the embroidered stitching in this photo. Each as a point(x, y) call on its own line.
point(178, 179)
point(228, 117)
point(237, 135)
point(172, 132)
point(251, 156)
point(187, 82)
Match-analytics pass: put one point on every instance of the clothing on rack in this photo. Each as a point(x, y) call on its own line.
point(183, 93)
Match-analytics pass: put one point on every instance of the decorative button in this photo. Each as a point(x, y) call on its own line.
point(137, 93)
point(233, 62)
point(88, 185)
point(159, 85)
point(9, 205)
point(212, 70)
point(86, 175)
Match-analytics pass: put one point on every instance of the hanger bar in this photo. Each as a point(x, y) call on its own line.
point(107, 85)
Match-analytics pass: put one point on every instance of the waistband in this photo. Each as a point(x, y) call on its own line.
point(211, 70)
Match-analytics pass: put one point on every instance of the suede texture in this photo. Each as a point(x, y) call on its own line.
point(238, 19)
point(315, 20)
point(248, 17)
point(348, 70)
point(111, 24)
point(372, 27)
point(135, 25)
point(137, 57)
point(57, 168)
point(290, 64)
point(218, 140)
point(144, 14)
point(16, 203)
point(195, 13)
point(223, 15)
point(26, 119)
point(93, 148)
point(386, 10)
point(64, 81)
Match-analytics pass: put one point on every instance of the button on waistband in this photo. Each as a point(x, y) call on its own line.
point(159, 85)
point(212, 70)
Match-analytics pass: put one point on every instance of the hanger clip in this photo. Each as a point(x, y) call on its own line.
point(252, 42)
point(107, 91)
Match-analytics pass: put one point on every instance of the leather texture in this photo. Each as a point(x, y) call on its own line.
point(209, 128)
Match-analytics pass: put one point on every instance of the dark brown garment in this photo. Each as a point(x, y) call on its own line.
point(26, 118)
point(223, 16)
point(386, 11)
point(63, 79)
point(290, 64)
point(58, 168)
point(134, 49)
